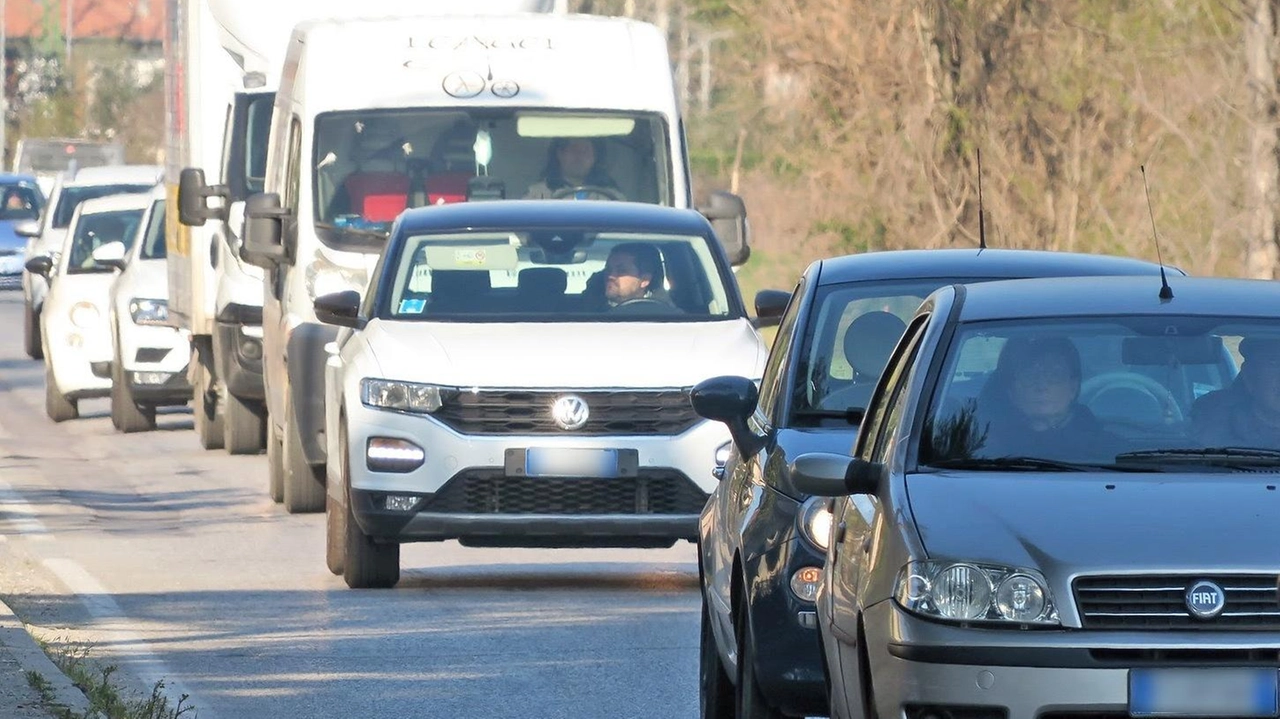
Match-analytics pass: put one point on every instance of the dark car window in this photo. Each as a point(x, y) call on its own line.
point(20, 202)
point(94, 231)
point(1087, 391)
point(71, 197)
point(775, 366)
point(153, 243)
point(883, 411)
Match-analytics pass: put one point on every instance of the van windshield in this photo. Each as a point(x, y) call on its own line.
point(564, 275)
point(370, 165)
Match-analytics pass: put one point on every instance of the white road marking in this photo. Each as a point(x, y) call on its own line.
point(21, 515)
point(148, 666)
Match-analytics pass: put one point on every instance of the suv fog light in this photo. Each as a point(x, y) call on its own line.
point(250, 349)
point(385, 454)
point(401, 502)
point(75, 340)
point(150, 377)
point(804, 583)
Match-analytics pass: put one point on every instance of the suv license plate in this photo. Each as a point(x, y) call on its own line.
point(558, 462)
point(1203, 693)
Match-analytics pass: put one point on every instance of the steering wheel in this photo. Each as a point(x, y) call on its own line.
point(645, 305)
point(1096, 387)
point(593, 192)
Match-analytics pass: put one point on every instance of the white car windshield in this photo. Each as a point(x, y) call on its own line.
point(94, 231)
point(1140, 390)
point(558, 275)
point(71, 197)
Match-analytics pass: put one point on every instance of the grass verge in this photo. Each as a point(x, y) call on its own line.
point(107, 700)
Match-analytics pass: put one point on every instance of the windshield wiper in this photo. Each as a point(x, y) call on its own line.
point(1024, 464)
point(853, 415)
point(1220, 456)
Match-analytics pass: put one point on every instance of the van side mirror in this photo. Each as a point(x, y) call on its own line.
point(193, 194)
point(340, 308)
point(730, 400)
point(263, 229)
point(728, 215)
point(825, 474)
point(40, 265)
point(770, 304)
point(27, 228)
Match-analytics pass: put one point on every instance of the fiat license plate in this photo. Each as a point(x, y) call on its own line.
point(1203, 693)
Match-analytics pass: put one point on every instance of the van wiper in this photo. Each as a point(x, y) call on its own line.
point(1024, 464)
point(1217, 456)
point(853, 415)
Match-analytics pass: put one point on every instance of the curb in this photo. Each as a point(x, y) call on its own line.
point(22, 646)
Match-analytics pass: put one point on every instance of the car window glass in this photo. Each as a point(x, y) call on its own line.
point(71, 197)
point(153, 243)
point(879, 417)
point(97, 229)
point(774, 369)
point(20, 202)
point(1087, 391)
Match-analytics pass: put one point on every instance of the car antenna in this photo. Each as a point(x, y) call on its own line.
point(1166, 292)
point(982, 226)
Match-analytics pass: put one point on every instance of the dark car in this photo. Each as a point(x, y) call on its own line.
point(762, 541)
point(1062, 504)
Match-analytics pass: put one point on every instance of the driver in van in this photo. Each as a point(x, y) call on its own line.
point(575, 171)
point(1247, 412)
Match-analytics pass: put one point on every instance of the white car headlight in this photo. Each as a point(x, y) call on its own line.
point(970, 592)
point(85, 315)
point(403, 396)
point(815, 521)
point(149, 312)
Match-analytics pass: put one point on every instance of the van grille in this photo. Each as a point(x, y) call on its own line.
point(616, 412)
point(1159, 602)
point(490, 491)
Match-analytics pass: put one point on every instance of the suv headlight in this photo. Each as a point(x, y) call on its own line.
point(149, 312)
point(403, 396)
point(815, 521)
point(969, 592)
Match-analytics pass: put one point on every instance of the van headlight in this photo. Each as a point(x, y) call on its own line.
point(403, 396)
point(815, 521)
point(971, 592)
point(149, 312)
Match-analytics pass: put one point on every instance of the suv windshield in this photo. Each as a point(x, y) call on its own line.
point(71, 197)
point(94, 231)
point(1144, 391)
point(371, 165)
point(559, 275)
point(22, 201)
point(153, 243)
point(852, 330)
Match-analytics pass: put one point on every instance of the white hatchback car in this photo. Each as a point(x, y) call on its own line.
point(518, 374)
point(149, 358)
point(68, 192)
point(75, 333)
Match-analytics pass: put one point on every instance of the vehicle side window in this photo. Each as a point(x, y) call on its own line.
point(774, 370)
point(891, 396)
point(293, 168)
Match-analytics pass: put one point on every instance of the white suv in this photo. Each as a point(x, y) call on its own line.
point(69, 190)
point(518, 375)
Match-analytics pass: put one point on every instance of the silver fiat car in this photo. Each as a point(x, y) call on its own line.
point(1062, 504)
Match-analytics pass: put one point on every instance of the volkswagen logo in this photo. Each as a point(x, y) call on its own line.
point(570, 412)
point(1206, 600)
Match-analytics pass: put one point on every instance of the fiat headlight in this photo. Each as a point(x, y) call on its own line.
point(970, 592)
point(85, 315)
point(324, 277)
point(403, 396)
point(815, 521)
point(149, 312)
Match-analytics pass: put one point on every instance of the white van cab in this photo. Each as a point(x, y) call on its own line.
point(149, 356)
point(438, 110)
point(73, 325)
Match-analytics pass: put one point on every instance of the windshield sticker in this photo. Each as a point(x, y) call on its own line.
point(469, 258)
point(412, 306)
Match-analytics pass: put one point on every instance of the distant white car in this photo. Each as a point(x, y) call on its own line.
point(149, 358)
point(74, 328)
point(68, 192)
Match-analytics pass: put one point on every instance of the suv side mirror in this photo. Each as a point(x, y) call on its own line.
point(770, 304)
point(193, 194)
point(728, 215)
point(40, 265)
point(263, 230)
point(731, 400)
point(27, 228)
point(340, 308)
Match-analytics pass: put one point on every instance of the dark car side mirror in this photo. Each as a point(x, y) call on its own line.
point(825, 474)
point(193, 194)
point(341, 309)
point(40, 265)
point(728, 215)
point(770, 304)
point(731, 400)
point(263, 230)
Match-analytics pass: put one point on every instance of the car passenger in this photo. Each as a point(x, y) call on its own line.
point(1247, 412)
point(575, 170)
point(1029, 405)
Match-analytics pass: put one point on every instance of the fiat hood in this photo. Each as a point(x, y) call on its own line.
point(565, 355)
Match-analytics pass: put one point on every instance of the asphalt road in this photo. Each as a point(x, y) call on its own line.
point(172, 563)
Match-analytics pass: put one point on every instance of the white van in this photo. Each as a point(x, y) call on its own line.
point(376, 116)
